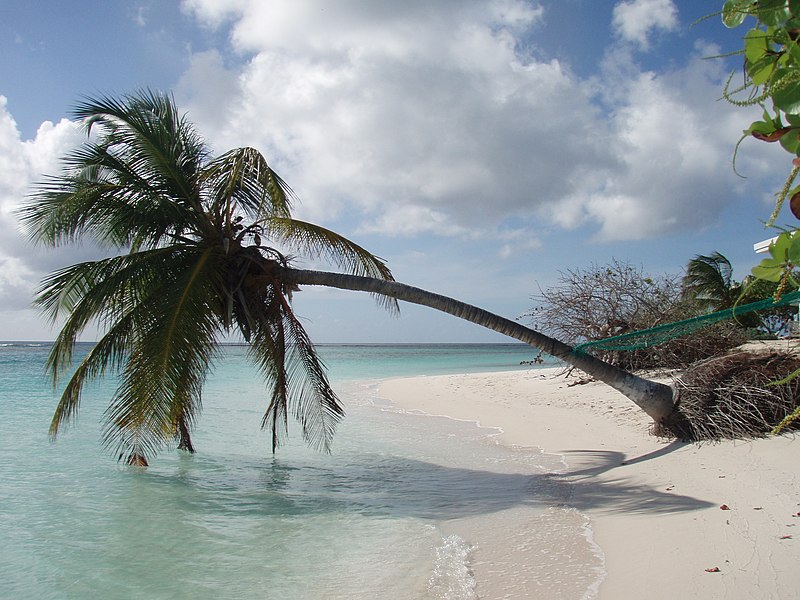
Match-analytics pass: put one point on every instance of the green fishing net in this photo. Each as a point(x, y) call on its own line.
point(662, 333)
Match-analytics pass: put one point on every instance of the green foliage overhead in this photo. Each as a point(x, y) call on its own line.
point(771, 55)
point(772, 79)
point(784, 256)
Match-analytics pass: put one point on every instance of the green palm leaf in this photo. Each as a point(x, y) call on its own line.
point(288, 360)
point(314, 241)
point(169, 360)
point(710, 280)
point(241, 180)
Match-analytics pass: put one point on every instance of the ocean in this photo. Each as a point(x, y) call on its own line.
point(405, 506)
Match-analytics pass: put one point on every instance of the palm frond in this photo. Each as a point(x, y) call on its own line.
point(242, 180)
point(147, 130)
point(315, 241)
point(710, 279)
point(268, 350)
point(142, 184)
point(289, 361)
point(104, 290)
point(108, 354)
point(135, 184)
point(118, 291)
point(172, 354)
point(314, 403)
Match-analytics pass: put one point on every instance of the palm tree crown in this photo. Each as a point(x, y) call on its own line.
point(709, 280)
point(190, 230)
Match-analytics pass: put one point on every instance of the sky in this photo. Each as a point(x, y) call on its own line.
point(480, 147)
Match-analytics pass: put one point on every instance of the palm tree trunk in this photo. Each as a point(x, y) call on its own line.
point(655, 399)
point(185, 439)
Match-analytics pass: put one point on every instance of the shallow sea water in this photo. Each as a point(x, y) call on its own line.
point(406, 506)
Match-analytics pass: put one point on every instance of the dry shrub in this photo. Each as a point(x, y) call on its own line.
point(682, 351)
point(618, 298)
point(734, 396)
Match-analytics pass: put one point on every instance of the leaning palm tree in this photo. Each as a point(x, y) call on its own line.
point(201, 248)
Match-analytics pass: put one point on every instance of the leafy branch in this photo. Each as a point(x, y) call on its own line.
point(772, 80)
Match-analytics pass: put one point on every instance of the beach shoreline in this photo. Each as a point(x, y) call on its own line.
point(666, 515)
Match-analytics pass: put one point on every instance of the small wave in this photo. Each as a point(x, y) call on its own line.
point(452, 578)
point(599, 568)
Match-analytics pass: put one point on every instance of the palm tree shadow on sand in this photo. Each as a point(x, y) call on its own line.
point(400, 487)
point(592, 488)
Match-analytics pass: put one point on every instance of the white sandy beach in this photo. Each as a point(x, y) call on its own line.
point(662, 513)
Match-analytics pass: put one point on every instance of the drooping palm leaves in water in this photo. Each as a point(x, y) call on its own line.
point(193, 265)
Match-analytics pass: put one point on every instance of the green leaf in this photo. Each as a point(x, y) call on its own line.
point(786, 96)
point(779, 35)
point(763, 127)
point(772, 262)
point(793, 253)
point(772, 12)
point(790, 142)
point(761, 70)
point(756, 45)
point(779, 249)
point(767, 273)
point(792, 55)
point(734, 12)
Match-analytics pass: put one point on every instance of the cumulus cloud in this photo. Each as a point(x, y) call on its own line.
point(386, 105)
point(673, 157)
point(408, 220)
point(209, 103)
point(634, 20)
point(432, 118)
point(23, 162)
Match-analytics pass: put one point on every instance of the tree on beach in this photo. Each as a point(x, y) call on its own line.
point(709, 280)
point(193, 267)
point(201, 248)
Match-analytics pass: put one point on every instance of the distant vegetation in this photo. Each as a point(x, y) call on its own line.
point(619, 298)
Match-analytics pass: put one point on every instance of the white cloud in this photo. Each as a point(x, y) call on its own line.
point(17, 282)
point(140, 18)
point(211, 13)
point(428, 118)
point(634, 20)
point(23, 162)
point(394, 28)
point(673, 145)
point(516, 242)
point(410, 220)
point(429, 105)
point(208, 87)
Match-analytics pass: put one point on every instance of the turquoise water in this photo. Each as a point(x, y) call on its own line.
point(404, 507)
point(351, 362)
